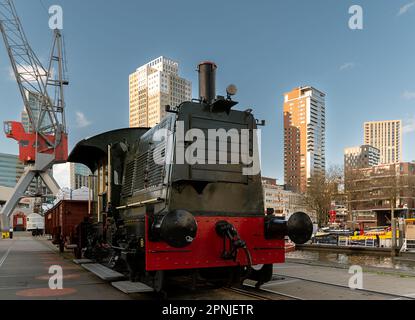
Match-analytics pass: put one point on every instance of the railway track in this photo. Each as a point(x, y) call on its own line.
point(391, 296)
point(260, 294)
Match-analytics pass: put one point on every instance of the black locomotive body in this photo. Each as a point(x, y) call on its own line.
point(153, 212)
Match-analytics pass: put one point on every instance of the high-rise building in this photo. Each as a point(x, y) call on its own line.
point(152, 87)
point(387, 137)
point(304, 136)
point(361, 157)
point(79, 176)
point(11, 170)
point(25, 121)
point(34, 102)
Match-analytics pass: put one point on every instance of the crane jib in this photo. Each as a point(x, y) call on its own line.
point(44, 141)
point(46, 117)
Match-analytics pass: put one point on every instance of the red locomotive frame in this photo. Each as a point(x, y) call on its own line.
point(205, 250)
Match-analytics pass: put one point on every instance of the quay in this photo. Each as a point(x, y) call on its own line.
point(399, 256)
point(344, 249)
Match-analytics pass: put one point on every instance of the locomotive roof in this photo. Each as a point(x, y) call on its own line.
point(89, 151)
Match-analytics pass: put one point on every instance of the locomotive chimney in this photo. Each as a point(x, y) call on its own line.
point(207, 81)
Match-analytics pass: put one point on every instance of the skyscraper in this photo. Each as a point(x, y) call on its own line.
point(11, 169)
point(34, 101)
point(25, 121)
point(361, 157)
point(304, 136)
point(152, 87)
point(387, 137)
point(79, 176)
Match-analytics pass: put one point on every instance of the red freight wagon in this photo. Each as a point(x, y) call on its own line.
point(19, 222)
point(61, 222)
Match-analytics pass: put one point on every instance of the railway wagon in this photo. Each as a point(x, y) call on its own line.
point(62, 220)
point(19, 222)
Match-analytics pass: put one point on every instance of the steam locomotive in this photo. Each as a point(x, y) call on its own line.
point(153, 216)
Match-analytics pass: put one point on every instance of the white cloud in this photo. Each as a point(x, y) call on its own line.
point(409, 125)
point(26, 72)
point(81, 120)
point(404, 9)
point(347, 65)
point(409, 95)
point(61, 173)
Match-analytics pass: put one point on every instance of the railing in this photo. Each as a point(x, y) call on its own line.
point(409, 245)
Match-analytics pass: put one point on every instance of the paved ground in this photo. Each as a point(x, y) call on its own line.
point(24, 267)
point(24, 274)
point(294, 278)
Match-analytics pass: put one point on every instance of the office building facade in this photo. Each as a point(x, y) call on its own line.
point(11, 169)
point(79, 176)
point(361, 157)
point(152, 87)
point(282, 201)
point(387, 137)
point(304, 136)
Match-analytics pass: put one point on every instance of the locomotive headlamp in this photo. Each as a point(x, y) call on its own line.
point(231, 90)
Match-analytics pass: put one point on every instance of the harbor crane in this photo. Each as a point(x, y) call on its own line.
point(43, 142)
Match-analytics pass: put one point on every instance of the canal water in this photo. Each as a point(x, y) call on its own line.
point(347, 259)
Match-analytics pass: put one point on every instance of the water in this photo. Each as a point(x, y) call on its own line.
point(380, 261)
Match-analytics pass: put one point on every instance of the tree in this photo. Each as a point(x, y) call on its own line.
point(321, 190)
point(353, 178)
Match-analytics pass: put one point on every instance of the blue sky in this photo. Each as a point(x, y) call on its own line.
point(265, 47)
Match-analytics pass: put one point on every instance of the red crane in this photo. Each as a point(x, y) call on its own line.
point(45, 142)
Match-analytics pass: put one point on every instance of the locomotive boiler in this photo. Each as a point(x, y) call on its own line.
point(179, 198)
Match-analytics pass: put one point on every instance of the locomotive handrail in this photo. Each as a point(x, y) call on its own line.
point(141, 203)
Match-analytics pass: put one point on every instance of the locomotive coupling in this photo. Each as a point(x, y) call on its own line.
point(228, 232)
point(225, 229)
point(298, 228)
point(178, 228)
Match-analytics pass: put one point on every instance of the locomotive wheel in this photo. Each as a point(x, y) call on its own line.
point(261, 274)
point(158, 281)
point(221, 277)
point(61, 246)
point(78, 252)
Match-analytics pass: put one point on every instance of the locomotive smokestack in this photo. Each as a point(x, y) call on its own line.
point(207, 81)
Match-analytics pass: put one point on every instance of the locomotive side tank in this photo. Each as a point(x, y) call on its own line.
point(185, 195)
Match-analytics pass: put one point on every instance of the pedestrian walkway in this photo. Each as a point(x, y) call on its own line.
point(24, 273)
